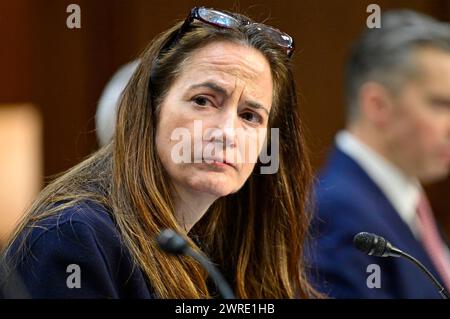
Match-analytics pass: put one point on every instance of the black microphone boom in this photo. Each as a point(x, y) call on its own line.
point(375, 245)
point(171, 242)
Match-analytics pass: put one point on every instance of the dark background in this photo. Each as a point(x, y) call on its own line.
point(63, 71)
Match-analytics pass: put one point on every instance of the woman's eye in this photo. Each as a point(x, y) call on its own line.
point(252, 117)
point(201, 101)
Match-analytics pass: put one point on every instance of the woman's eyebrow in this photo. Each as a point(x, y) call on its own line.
point(436, 99)
point(211, 85)
point(256, 105)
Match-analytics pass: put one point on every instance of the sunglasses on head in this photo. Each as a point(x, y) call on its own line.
point(225, 20)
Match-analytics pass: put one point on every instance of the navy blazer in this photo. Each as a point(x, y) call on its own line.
point(81, 241)
point(349, 202)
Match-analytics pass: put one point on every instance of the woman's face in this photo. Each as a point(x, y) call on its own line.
point(213, 120)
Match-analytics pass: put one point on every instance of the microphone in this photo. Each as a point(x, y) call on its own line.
point(173, 243)
point(378, 246)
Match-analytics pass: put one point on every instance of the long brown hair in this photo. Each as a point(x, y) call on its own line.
point(256, 235)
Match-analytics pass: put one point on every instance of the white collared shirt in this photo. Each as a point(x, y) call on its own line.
point(403, 192)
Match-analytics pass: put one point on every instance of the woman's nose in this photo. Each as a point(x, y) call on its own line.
point(227, 122)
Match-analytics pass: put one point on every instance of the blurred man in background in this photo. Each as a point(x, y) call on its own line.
point(397, 137)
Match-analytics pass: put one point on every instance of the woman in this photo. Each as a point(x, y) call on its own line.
point(92, 232)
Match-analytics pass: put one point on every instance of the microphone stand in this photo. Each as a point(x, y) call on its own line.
point(444, 294)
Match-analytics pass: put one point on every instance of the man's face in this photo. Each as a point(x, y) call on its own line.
point(418, 130)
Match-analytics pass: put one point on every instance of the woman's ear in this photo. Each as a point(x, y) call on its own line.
point(376, 103)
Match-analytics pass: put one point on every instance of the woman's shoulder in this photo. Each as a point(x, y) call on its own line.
point(77, 253)
point(84, 218)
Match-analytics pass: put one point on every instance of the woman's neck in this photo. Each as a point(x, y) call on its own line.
point(190, 206)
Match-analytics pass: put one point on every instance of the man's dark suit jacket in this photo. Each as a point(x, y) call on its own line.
point(349, 202)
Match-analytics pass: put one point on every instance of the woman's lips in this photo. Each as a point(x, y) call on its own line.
point(218, 162)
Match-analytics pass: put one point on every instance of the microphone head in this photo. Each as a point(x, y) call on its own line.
point(363, 241)
point(371, 244)
point(171, 242)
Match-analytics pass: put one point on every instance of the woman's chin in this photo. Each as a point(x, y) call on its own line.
point(217, 187)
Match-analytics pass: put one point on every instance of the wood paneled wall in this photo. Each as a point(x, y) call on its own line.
point(63, 71)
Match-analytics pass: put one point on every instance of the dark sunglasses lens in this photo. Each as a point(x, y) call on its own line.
point(218, 18)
